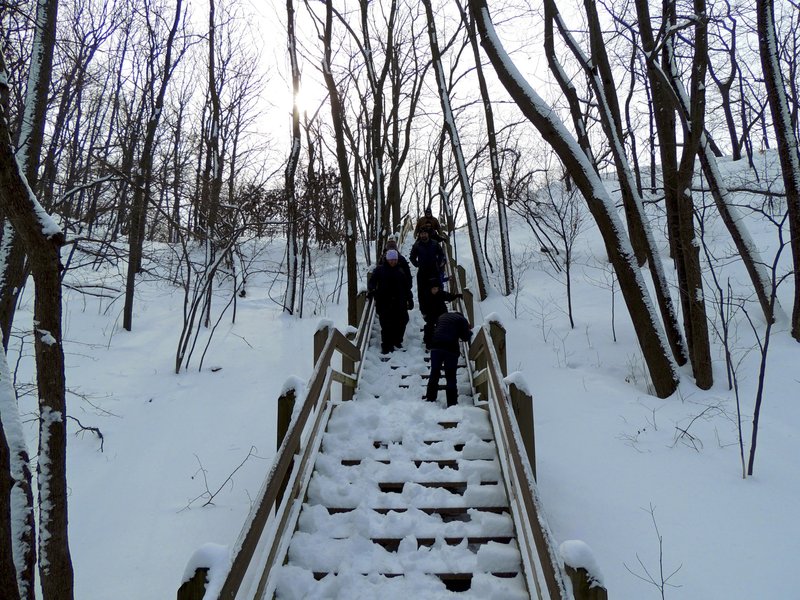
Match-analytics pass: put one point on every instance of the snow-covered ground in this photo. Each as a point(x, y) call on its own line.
point(651, 485)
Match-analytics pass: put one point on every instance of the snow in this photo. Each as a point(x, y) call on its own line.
point(631, 476)
point(216, 559)
point(578, 555)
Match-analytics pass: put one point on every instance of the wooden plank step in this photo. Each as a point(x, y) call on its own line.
point(454, 582)
point(458, 447)
point(443, 463)
point(456, 487)
point(392, 544)
point(447, 513)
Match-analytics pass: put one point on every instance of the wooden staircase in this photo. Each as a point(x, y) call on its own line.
point(381, 495)
point(405, 494)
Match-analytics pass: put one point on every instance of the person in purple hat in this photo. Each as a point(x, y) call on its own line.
point(390, 286)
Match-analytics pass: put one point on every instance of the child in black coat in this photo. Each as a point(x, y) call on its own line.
point(437, 306)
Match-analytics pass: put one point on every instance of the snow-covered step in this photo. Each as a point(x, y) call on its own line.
point(407, 497)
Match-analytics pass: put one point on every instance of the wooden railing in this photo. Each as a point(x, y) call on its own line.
point(511, 412)
point(274, 510)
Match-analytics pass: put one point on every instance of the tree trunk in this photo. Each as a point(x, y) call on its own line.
point(42, 240)
point(29, 148)
point(494, 158)
point(8, 575)
point(788, 150)
point(458, 154)
point(22, 523)
point(690, 270)
point(651, 338)
point(348, 199)
point(611, 121)
point(291, 170)
point(141, 191)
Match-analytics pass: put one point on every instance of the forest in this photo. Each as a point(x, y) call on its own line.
point(133, 130)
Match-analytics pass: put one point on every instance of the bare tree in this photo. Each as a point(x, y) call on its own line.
point(494, 156)
point(291, 169)
point(8, 576)
point(29, 143)
point(156, 91)
point(651, 338)
point(42, 239)
point(601, 80)
point(348, 198)
point(458, 154)
point(788, 149)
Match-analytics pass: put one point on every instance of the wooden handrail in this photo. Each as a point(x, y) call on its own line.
point(536, 543)
point(282, 476)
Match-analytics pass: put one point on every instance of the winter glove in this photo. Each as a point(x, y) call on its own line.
point(410, 304)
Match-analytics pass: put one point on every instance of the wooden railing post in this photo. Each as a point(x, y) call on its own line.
point(498, 334)
point(522, 403)
point(468, 305)
point(320, 337)
point(361, 302)
point(462, 277)
point(349, 368)
point(195, 588)
point(584, 586)
point(285, 409)
point(481, 364)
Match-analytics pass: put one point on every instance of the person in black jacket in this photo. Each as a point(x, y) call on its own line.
point(437, 306)
point(429, 259)
point(391, 244)
point(451, 328)
point(430, 223)
point(390, 285)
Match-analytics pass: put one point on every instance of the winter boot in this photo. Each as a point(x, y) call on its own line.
point(452, 397)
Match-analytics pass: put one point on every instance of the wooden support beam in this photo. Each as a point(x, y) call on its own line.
point(522, 403)
point(468, 304)
point(584, 587)
point(195, 588)
point(285, 409)
point(498, 334)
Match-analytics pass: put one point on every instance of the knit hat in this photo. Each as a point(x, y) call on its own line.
point(391, 255)
point(390, 245)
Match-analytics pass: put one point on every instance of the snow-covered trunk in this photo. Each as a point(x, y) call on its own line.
point(21, 518)
point(788, 149)
point(8, 575)
point(291, 169)
point(399, 152)
point(598, 73)
point(458, 154)
point(29, 147)
point(691, 278)
point(745, 246)
point(42, 239)
point(494, 157)
point(565, 82)
point(602, 80)
point(653, 343)
point(348, 198)
point(141, 192)
point(377, 128)
point(214, 174)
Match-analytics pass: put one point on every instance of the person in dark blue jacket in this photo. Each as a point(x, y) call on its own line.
point(451, 328)
point(429, 259)
point(390, 286)
point(437, 306)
